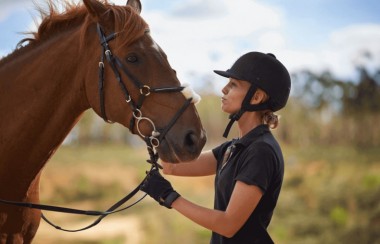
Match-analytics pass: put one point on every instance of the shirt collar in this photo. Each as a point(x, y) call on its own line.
point(253, 135)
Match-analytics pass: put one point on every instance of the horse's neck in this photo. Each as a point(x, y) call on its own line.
point(42, 97)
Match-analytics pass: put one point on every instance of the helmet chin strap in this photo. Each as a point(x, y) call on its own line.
point(233, 117)
point(245, 106)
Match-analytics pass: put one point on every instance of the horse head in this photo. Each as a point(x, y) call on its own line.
point(137, 87)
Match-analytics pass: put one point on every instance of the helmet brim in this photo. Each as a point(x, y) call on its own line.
point(228, 74)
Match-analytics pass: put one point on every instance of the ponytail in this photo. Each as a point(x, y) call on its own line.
point(270, 119)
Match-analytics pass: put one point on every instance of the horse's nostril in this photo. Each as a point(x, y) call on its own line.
point(191, 141)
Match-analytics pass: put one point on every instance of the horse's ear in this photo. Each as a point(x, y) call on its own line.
point(95, 8)
point(136, 4)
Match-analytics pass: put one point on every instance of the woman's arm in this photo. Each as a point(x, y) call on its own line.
point(204, 165)
point(243, 202)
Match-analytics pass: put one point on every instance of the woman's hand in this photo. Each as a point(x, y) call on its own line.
point(167, 168)
point(204, 165)
point(159, 189)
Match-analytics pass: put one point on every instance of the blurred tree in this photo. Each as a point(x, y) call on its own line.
point(319, 91)
point(341, 108)
point(364, 97)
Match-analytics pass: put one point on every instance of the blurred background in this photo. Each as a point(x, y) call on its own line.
point(329, 130)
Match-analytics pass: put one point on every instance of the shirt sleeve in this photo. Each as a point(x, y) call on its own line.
point(257, 166)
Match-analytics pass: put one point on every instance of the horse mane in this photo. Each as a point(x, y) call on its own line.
point(126, 21)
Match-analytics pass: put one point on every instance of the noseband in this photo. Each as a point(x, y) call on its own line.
point(156, 136)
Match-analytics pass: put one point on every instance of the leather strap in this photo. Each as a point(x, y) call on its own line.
point(170, 199)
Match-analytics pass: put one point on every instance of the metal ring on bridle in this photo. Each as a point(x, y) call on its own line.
point(154, 141)
point(138, 127)
point(145, 90)
point(139, 116)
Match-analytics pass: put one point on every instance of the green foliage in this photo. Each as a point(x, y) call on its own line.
point(330, 195)
point(335, 111)
point(339, 216)
point(371, 181)
point(83, 188)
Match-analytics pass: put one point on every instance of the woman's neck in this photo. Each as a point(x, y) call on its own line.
point(247, 122)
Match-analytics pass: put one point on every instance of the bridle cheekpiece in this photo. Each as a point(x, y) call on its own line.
point(156, 136)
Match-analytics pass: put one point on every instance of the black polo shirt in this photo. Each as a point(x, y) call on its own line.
point(256, 159)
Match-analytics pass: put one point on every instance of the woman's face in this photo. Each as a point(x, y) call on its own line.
point(233, 95)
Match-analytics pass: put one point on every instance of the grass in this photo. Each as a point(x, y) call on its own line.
point(330, 195)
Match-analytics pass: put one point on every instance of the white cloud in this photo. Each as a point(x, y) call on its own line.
point(197, 43)
point(202, 35)
point(353, 41)
point(199, 9)
point(340, 53)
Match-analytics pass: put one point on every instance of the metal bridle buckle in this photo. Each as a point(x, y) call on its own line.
point(108, 53)
point(145, 90)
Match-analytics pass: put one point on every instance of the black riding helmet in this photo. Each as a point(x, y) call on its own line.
point(263, 71)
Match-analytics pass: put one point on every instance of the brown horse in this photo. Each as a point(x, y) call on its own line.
point(46, 85)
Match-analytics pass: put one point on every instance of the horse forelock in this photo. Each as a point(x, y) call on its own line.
point(128, 23)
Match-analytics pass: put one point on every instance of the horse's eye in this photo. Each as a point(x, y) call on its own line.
point(132, 59)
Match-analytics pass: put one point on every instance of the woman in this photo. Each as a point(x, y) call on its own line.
point(249, 170)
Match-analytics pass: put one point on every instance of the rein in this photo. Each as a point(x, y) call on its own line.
point(102, 214)
point(152, 141)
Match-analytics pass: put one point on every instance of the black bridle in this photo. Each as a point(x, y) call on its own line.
point(157, 136)
point(152, 141)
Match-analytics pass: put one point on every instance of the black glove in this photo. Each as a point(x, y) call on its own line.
point(159, 189)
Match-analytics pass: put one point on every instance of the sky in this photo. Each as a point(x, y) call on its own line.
point(199, 36)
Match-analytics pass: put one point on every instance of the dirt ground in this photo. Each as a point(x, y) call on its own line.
point(126, 229)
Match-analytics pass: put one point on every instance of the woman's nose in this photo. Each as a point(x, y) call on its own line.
point(225, 90)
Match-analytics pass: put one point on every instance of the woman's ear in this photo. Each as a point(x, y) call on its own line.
point(259, 97)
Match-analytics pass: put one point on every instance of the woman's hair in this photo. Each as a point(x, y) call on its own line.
point(269, 117)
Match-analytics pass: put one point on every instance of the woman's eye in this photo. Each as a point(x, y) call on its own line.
point(132, 59)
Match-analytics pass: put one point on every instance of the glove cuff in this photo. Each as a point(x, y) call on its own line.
point(170, 199)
